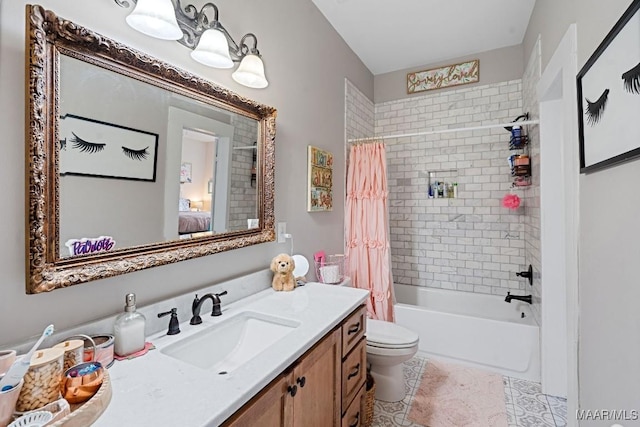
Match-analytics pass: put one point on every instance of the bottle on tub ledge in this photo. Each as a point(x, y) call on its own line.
point(128, 329)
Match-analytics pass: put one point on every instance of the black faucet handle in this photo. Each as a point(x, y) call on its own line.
point(528, 274)
point(174, 325)
point(216, 304)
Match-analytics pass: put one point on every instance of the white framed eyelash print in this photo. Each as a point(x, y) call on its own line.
point(608, 88)
point(89, 147)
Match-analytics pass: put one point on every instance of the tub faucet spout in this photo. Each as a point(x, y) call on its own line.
point(525, 298)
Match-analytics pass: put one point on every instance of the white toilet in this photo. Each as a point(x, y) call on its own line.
point(388, 346)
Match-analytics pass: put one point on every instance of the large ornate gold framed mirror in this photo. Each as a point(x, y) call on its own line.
point(134, 163)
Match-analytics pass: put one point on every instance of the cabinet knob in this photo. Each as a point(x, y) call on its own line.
point(354, 372)
point(301, 381)
point(292, 389)
point(353, 329)
point(356, 421)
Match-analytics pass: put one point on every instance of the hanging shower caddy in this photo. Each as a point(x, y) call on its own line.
point(520, 162)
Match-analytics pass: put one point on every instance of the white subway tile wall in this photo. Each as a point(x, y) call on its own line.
point(470, 243)
point(243, 201)
point(531, 200)
point(359, 113)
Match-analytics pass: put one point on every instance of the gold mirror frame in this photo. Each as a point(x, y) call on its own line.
point(47, 37)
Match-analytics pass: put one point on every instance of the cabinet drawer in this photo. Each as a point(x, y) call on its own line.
point(353, 329)
point(353, 416)
point(354, 372)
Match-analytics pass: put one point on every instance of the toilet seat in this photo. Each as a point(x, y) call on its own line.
point(392, 353)
point(387, 335)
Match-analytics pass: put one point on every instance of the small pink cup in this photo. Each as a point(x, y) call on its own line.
point(7, 357)
point(8, 401)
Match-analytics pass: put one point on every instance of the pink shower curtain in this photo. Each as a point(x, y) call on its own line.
point(367, 228)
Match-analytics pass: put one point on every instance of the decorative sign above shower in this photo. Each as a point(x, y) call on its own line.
point(319, 193)
point(441, 77)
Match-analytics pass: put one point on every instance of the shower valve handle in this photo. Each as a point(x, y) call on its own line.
point(528, 274)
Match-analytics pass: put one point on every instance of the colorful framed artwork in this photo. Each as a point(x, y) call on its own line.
point(185, 173)
point(91, 147)
point(609, 97)
point(441, 77)
point(320, 183)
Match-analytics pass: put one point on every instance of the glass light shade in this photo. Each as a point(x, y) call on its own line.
point(213, 50)
point(155, 18)
point(250, 72)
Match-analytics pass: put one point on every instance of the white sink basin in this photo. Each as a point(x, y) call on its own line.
point(231, 343)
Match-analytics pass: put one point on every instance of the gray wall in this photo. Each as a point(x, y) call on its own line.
point(91, 206)
point(306, 64)
point(498, 65)
point(609, 250)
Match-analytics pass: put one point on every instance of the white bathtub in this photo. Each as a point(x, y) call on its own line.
point(475, 329)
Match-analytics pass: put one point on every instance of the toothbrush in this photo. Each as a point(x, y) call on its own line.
point(20, 367)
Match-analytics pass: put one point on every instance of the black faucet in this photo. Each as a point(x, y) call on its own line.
point(197, 305)
point(525, 298)
point(174, 326)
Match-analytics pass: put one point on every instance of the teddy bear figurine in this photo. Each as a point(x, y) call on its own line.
point(282, 266)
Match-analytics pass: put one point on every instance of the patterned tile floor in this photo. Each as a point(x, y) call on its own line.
point(526, 405)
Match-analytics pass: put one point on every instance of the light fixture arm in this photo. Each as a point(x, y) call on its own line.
point(193, 23)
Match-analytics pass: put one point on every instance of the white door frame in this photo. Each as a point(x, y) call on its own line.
point(559, 222)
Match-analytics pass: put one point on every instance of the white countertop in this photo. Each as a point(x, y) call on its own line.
point(158, 390)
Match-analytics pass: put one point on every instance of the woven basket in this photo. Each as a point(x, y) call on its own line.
point(369, 399)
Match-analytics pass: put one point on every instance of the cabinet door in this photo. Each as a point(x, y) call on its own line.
point(353, 329)
point(354, 373)
point(317, 376)
point(271, 408)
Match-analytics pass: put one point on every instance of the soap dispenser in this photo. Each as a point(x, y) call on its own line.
point(129, 329)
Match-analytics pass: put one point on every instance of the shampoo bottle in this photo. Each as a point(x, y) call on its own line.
point(129, 329)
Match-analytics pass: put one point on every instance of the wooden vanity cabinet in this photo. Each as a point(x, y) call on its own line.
point(271, 407)
point(323, 388)
point(354, 366)
point(317, 376)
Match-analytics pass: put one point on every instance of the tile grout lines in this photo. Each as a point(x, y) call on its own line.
point(511, 410)
point(416, 385)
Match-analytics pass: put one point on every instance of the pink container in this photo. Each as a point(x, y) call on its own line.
point(7, 357)
point(8, 401)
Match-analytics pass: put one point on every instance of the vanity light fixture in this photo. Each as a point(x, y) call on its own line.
point(211, 43)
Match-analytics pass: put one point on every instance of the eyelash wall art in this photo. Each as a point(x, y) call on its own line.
point(139, 155)
point(595, 109)
point(86, 146)
point(631, 79)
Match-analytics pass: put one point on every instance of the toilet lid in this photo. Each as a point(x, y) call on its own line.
point(389, 335)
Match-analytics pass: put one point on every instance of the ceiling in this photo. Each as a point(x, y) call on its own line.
point(390, 35)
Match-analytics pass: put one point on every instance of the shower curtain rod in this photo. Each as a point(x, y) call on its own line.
point(432, 132)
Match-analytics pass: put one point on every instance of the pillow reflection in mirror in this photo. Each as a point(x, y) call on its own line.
point(184, 205)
